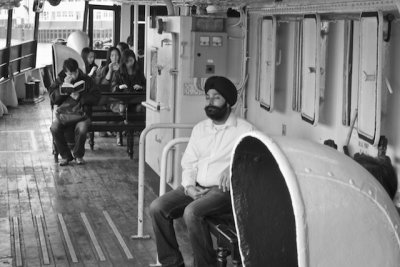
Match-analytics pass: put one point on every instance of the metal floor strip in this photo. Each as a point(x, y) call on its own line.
point(67, 238)
point(118, 235)
point(17, 242)
point(42, 240)
point(93, 237)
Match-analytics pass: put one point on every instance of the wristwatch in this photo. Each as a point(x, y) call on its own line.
point(187, 188)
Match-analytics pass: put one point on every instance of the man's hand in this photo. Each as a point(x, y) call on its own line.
point(196, 192)
point(123, 87)
point(137, 87)
point(74, 95)
point(68, 79)
point(224, 182)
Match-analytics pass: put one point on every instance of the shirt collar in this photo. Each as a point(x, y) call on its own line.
point(231, 121)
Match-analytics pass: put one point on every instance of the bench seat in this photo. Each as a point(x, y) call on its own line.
point(227, 243)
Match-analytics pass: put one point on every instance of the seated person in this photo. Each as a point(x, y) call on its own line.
point(89, 58)
point(71, 114)
point(122, 46)
point(129, 77)
point(141, 58)
point(105, 75)
point(107, 71)
point(129, 42)
point(205, 179)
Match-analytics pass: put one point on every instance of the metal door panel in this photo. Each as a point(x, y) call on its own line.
point(310, 69)
point(160, 95)
point(369, 78)
point(267, 66)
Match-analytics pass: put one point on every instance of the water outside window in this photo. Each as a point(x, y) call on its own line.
point(56, 24)
point(103, 37)
point(23, 23)
point(3, 27)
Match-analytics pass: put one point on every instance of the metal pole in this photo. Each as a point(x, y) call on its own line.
point(141, 170)
point(164, 158)
point(135, 28)
point(146, 15)
point(163, 174)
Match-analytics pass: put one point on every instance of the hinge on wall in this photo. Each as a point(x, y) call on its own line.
point(173, 72)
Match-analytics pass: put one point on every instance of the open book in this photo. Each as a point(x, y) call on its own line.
point(67, 88)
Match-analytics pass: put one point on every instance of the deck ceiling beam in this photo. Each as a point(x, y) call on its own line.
point(288, 6)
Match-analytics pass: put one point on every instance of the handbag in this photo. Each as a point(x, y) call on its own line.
point(70, 112)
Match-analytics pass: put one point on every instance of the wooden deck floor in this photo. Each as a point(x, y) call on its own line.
point(68, 216)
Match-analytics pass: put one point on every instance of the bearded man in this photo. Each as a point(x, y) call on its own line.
point(204, 191)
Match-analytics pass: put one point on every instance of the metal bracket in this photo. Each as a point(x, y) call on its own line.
point(369, 77)
point(173, 72)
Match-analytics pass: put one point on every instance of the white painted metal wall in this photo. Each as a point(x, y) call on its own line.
point(284, 120)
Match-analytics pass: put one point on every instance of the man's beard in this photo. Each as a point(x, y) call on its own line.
point(216, 113)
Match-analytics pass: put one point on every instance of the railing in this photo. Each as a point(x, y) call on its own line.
point(17, 58)
point(164, 158)
point(142, 142)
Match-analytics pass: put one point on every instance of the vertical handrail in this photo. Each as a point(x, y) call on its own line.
point(142, 142)
point(163, 172)
point(164, 158)
point(135, 29)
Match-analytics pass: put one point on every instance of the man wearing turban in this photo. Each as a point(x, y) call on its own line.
point(204, 191)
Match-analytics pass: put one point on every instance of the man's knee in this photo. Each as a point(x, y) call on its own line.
point(55, 127)
point(190, 215)
point(82, 127)
point(156, 207)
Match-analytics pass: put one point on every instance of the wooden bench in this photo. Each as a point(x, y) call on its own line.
point(106, 120)
point(130, 122)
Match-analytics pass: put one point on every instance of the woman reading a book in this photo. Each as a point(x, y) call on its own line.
point(72, 92)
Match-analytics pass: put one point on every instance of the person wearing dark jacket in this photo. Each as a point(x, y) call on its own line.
point(89, 58)
point(72, 113)
point(128, 78)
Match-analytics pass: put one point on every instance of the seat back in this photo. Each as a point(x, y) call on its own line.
point(61, 53)
point(48, 76)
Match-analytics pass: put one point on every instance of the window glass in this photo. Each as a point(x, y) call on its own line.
point(369, 86)
point(268, 63)
point(56, 24)
point(23, 23)
point(103, 24)
point(3, 27)
point(142, 9)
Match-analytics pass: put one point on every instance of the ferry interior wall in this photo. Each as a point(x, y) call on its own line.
point(318, 73)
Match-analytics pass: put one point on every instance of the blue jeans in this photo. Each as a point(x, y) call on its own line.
point(80, 130)
point(175, 204)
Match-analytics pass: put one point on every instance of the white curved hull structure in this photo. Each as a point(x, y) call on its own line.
point(342, 215)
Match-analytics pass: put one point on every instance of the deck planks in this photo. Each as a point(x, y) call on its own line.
point(35, 193)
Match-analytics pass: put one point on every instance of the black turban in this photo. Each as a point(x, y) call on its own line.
point(223, 86)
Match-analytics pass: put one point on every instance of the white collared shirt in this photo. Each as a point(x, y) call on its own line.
point(208, 153)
